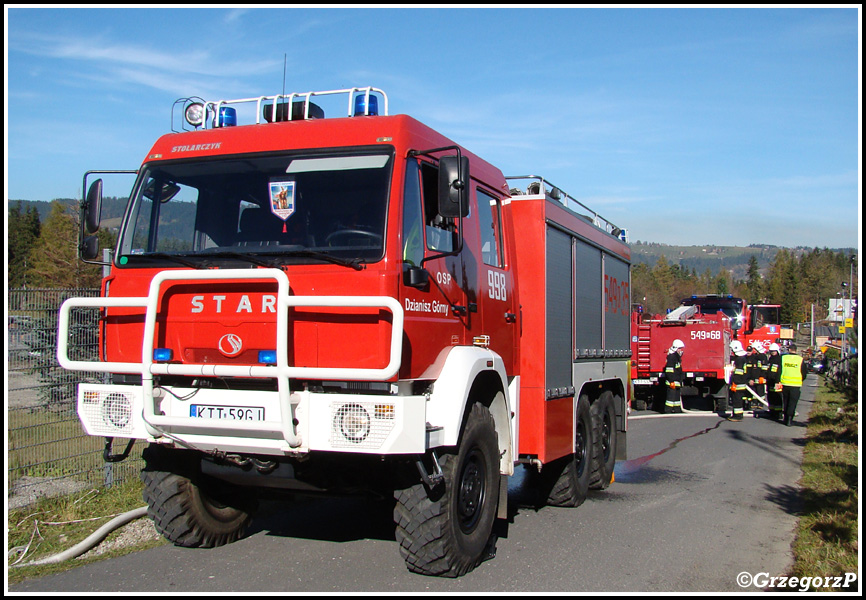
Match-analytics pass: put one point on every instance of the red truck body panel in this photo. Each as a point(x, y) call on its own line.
point(547, 415)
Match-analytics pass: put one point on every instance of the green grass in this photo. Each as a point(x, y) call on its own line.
point(54, 525)
point(827, 536)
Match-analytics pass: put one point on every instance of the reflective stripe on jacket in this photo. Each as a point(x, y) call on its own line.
point(674, 369)
point(740, 373)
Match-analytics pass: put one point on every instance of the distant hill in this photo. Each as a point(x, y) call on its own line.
point(714, 258)
point(701, 258)
point(173, 215)
point(111, 207)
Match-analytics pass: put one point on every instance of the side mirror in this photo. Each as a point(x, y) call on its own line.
point(93, 208)
point(454, 186)
point(90, 248)
point(416, 277)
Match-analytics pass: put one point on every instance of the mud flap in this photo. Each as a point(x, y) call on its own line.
point(502, 509)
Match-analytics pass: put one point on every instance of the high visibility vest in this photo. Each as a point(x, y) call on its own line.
point(791, 374)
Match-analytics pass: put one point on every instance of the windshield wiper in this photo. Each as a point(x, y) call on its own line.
point(241, 256)
point(353, 263)
point(173, 257)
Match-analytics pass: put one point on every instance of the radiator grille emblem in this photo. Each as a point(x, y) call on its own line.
point(230, 345)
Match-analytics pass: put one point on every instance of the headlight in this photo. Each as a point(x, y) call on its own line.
point(353, 422)
point(117, 410)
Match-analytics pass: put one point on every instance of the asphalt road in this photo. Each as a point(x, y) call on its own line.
point(700, 501)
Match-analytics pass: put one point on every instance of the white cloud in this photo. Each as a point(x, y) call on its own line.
point(102, 52)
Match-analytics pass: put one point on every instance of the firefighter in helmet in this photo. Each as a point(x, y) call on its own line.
point(757, 365)
point(739, 379)
point(674, 376)
point(774, 385)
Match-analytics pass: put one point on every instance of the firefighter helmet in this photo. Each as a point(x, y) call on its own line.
point(737, 348)
point(774, 347)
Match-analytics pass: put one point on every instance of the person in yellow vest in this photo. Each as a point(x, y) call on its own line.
point(794, 371)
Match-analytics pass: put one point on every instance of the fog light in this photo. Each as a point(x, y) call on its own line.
point(194, 114)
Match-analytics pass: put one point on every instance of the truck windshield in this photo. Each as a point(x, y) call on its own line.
point(732, 307)
point(765, 315)
point(298, 206)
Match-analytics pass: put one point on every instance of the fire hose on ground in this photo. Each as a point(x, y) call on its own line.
point(92, 540)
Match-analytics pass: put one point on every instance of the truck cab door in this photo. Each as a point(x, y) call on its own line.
point(434, 294)
point(496, 304)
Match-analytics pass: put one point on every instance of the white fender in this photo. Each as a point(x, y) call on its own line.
point(447, 404)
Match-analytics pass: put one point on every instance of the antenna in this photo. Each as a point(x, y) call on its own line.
point(284, 73)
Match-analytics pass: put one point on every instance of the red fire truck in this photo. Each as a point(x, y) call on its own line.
point(750, 322)
point(707, 325)
point(311, 305)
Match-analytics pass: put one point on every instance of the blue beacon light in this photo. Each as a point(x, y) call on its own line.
point(360, 105)
point(228, 116)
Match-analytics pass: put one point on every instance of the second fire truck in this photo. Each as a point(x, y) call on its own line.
point(707, 325)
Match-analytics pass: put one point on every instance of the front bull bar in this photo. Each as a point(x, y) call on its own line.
point(281, 372)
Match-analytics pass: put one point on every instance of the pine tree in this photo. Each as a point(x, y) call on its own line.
point(54, 260)
point(754, 285)
point(23, 232)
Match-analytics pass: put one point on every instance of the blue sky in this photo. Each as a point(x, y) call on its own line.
point(722, 126)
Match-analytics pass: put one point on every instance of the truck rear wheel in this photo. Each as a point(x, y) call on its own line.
point(567, 479)
point(445, 531)
point(721, 400)
point(187, 508)
point(603, 413)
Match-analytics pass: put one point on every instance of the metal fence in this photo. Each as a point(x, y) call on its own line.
point(48, 452)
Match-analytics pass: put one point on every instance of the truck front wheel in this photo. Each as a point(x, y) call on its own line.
point(186, 507)
point(445, 531)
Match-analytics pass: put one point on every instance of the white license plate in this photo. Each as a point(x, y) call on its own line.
point(235, 413)
point(642, 382)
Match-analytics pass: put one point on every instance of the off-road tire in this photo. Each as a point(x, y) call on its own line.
point(566, 481)
point(189, 509)
point(446, 531)
point(603, 412)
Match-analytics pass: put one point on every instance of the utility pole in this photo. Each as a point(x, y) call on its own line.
point(844, 314)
